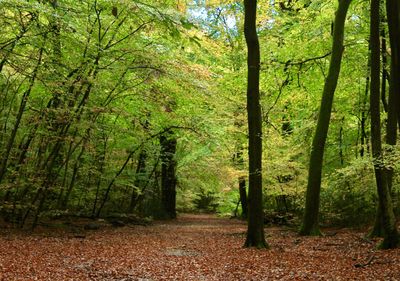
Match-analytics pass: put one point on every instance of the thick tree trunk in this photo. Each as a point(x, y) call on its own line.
point(255, 230)
point(391, 237)
point(394, 88)
point(168, 175)
point(393, 15)
point(391, 106)
point(310, 220)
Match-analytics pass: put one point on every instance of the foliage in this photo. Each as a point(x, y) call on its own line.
point(350, 197)
point(86, 86)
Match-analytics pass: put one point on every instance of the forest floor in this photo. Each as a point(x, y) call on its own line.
point(193, 247)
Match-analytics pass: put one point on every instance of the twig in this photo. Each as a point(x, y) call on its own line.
point(369, 261)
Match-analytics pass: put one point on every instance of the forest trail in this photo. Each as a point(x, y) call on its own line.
point(193, 247)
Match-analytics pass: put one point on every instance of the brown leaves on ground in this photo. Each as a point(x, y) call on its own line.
point(193, 247)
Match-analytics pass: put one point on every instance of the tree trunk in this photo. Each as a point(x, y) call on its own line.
point(21, 110)
point(384, 67)
point(391, 106)
point(239, 163)
point(341, 154)
point(364, 114)
point(310, 220)
point(393, 14)
point(78, 162)
point(140, 179)
point(111, 184)
point(391, 237)
point(243, 197)
point(139, 197)
point(394, 87)
point(101, 159)
point(255, 230)
point(168, 175)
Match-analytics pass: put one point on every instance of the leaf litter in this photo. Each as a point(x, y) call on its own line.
point(193, 247)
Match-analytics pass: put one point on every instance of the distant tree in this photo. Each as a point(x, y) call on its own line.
point(238, 158)
point(168, 174)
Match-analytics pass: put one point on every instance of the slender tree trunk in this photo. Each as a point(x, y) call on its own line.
point(310, 221)
point(24, 101)
point(101, 161)
point(78, 162)
point(111, 184)
point(391, 237)
point(255, 229)
point(24, 29)
point(141, 195)
point(243, 197)
point(384, 68)
point(238, 159)
point(341, 154)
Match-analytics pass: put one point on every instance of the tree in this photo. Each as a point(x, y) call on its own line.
point(168, 174)
point(393, 15)
point(391, 236)
point(255, 230)
point(310, 219)
point(238, 159)
point(69, 123)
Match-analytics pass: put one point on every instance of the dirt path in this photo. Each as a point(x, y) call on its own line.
point(193, 247)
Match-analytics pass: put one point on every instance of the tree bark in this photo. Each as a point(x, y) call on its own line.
point(168, 175)
point(243, 197)
point(310, 220)
point(384, 67)
point(255, 230)
point(393, 16)
point(391, 237)
point(392, 104)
